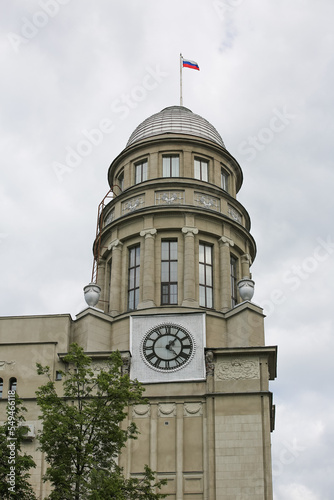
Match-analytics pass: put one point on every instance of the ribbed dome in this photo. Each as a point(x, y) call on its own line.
point(175, 120)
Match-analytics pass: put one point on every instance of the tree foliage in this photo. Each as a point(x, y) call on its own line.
point(83, 434)
point(14, 465)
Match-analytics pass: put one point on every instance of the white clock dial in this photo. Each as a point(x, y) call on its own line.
point(167, 347)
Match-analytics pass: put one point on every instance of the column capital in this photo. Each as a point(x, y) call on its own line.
point(114, 244)
point(224, 240)
point(189, 230)
point(148, 233)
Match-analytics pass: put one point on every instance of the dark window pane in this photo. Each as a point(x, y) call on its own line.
point(164, 250)
point(202, 296)
point(205, 171)
point(209, 302)
point(166, 167)
point(132, 257)
point(173, 271)
point(202, 274)
point(131, 299)
point(145, 171)
point(173, 250)
point(136, 298)
point(175, 166)
point(164, 272)
point(173, 294)
point(201, 253)
point(208, 276)
point(197, 169)
point(208, 255)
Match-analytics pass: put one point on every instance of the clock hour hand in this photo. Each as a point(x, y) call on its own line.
point(171, 342)
point(169, 346)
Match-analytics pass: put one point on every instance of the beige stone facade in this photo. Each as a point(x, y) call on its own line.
point(172, 243)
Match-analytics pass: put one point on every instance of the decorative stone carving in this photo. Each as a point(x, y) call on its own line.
point(169, 198)
point(92, 293)
point(226, 241)
point(234, 214)
point(132, 204)
point(167, 410)
point(246, 288)
point(189, 230)
point(209, 364)
point(141, 411)
point(114, 244)
point(193, 409)
point(148, 232)
point(98, 366)
point(207, 201)
point(7, 365)
point(126, 358)
point(110, 217)
point(237, 369)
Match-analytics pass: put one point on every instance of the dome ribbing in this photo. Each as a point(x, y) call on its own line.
point(175, 120)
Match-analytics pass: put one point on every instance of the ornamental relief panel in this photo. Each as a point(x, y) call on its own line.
point(193, 409)
point(205, 201)
point(169, 197)
point(237, 369)
point(167, 410)
point(98, 366)
point(141, 411)
point(234, 214)
point(133, 204)
point(7, 365)
point(110, 217)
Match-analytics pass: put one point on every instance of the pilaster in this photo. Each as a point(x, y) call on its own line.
point(116, 277)
point(189, 297)
point(224, 255)
point(246, 262)
point(149, 271)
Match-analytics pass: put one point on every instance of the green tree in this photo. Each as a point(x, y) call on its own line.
point(14, 465)
point(82, 434)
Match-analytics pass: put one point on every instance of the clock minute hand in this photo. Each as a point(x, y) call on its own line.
point(169, 346)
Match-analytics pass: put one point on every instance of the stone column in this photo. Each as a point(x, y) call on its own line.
point(189, 294)
point(116, 277)
point(245, 264)
point(101, 283)
point(225, 283)
point(148, 292)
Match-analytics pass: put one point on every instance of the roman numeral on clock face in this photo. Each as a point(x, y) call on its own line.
point(168, 347)
point(150, 356)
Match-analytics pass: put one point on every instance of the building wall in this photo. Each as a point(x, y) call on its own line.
point(206, 426)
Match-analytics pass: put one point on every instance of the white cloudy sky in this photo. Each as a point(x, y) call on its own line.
point(266, 83)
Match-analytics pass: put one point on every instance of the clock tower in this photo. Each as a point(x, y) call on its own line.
point(172, 259)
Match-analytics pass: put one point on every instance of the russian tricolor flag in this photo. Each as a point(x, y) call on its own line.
point(190, 64)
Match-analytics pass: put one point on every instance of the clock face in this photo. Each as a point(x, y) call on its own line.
point(168, 347)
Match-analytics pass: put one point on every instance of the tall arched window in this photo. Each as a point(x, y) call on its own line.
point(1, 387)
point(12, 384)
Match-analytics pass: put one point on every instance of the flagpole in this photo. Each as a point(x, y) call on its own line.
point(181, 99)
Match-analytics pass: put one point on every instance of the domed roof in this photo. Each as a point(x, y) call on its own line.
point(175, 120)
